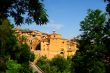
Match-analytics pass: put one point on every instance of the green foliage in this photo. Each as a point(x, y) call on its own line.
point(33, 10)
point(2, 64)
point(32, 57)
point(7, 38)
point(7, 42)
point(56, 65)
point(13, 67)
point(23, 54)
point(25, 68)
point(106, 39)
point(90, 56)
point(43, 63)
point(60, 63)
point(11, 48)
point(23, 38)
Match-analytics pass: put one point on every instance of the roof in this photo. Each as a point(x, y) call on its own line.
point(54, 32)
point(26, 31)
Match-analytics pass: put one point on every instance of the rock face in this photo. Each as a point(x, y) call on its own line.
point(44, 44)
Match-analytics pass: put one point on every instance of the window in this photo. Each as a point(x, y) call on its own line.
point(38, 47)
point(48, 41)
point(61, 52)
point(63, 42)
point(33, 35)
point(30, 41)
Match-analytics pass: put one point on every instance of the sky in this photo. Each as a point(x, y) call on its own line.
point(65, 16)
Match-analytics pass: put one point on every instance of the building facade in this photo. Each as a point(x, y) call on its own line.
point(44, 44)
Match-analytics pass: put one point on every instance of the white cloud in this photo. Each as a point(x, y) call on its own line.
point(51, 26)
point(55, 26)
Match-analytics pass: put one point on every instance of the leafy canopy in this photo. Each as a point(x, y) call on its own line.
point(90, 56)
point(56, 65)
point(33, 9)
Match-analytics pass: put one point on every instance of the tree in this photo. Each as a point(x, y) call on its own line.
point(43, 63)
point(7, 38)
point(13, 67)
point(61, 64)
point(11, 48)
point(34, 10)
point(23, 11)
point(106, 39)
point(90, 56)
point(56, 65)
point(7, 43)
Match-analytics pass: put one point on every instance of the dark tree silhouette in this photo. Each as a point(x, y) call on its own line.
point(106, 39)
point(34, 10)
point(90, 56)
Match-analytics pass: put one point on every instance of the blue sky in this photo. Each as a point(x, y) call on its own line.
point(65, 16)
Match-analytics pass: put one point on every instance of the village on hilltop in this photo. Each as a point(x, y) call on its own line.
point(44, 44)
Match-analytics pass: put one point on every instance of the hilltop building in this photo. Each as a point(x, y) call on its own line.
point(44, 44)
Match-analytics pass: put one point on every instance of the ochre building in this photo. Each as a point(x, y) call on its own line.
point(44, 44)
